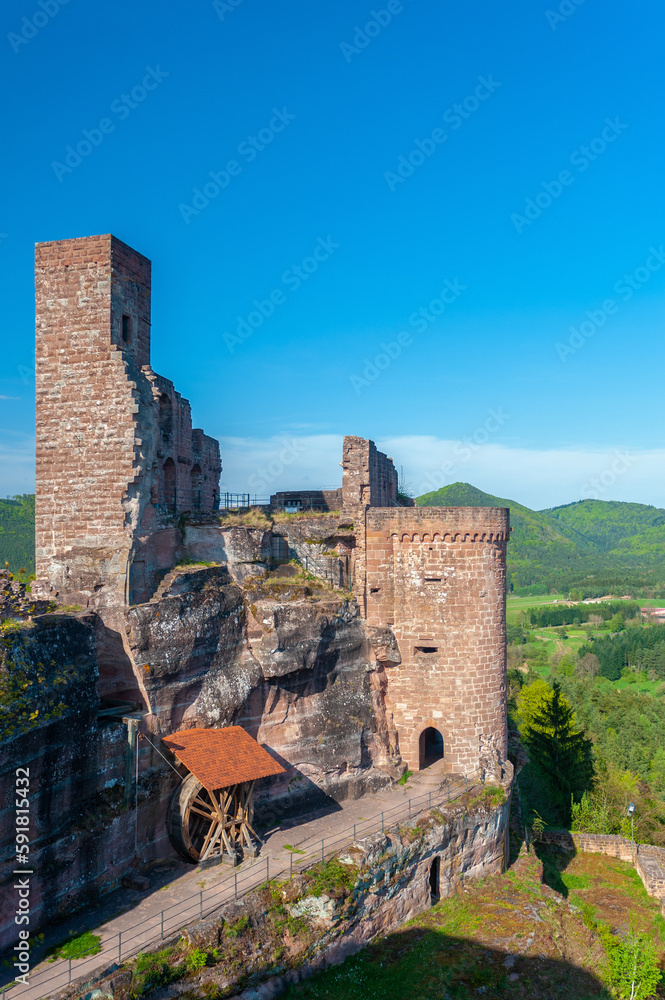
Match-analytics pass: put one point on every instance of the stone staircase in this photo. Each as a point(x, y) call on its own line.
point(432, 778)
point(170, 578)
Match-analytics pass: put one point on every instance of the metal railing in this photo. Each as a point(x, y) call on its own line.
point(236, 501)
point(175, 501)
point(171, 919)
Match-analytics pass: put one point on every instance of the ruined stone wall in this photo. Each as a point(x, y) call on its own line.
point(436, 576)
point(101, 446)
point(369, 477)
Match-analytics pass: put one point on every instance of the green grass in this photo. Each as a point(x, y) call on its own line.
point(331, 879)
point(76, 946)
point(152, 971)
point(516, 604)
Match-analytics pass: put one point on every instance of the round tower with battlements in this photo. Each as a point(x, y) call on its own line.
point(437, 577)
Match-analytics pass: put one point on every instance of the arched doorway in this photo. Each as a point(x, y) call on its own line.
point(430, 747)
point(434, 881)
point(168, 483)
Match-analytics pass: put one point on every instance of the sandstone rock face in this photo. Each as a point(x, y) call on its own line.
point(293, 664)
point(245, 551)
point(298, 674)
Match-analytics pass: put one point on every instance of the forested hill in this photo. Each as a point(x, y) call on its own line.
point(17, 533)
point(591, 547)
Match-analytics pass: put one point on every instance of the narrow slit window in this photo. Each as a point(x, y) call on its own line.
point(126, 329)
point(432, 579)
point(427, 649)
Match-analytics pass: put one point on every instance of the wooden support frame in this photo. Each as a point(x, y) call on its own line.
point(205, 824)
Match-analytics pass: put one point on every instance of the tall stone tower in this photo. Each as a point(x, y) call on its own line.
point(437, 577)
point(116, 454)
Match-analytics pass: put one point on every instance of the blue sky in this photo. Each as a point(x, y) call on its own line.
point(460, 249)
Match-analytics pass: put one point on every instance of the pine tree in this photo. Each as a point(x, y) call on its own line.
point(562, 754)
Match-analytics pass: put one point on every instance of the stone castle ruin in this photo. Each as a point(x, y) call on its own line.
point(116, 453)
point(350, 643)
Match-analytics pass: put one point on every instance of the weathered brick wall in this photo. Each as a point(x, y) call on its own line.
point(322, 500)
point(194, 480)
point(369, 477)
point(437, 577)
point(87, 410)
point(100, 447)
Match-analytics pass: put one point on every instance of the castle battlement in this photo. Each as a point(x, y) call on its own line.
point(437, 577)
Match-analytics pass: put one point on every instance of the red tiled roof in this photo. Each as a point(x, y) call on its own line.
point(222, 757)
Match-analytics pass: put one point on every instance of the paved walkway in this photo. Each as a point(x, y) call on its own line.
point(129, 922)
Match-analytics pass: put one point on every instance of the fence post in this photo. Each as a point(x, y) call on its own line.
point(162, 925)
point(201, 903)
point(235, 885)
point(291, 864)
point(120, 946)
point(70, 971)
point(466, 783)
point(322, 861)
point(381, 821)
point(354, 831)
point(430, 800)
point(267, 868)
point(409, 808)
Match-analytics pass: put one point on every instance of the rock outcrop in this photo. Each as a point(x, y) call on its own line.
point(276, 651)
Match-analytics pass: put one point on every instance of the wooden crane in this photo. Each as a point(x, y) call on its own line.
point(211, 813)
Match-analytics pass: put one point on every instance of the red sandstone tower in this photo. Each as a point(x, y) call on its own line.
point(437, 577)
point(116, 454)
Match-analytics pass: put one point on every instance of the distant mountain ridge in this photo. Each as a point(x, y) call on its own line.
point(595, 545)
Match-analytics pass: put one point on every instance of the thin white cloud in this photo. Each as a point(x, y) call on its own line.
point(536, 477)
point(10, 397)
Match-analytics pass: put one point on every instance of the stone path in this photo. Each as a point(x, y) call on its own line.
point(129, 922)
